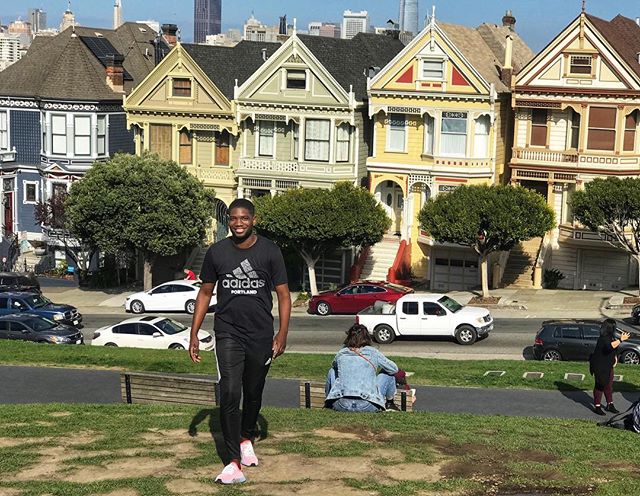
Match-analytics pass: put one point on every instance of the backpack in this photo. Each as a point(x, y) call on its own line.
point(628, 420)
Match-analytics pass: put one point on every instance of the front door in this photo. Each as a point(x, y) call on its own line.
point(7, 202)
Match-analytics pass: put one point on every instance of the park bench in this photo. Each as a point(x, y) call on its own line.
point(141, 387)
point(312, 395)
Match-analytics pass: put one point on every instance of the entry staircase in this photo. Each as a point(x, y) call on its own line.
point(380, 259)
point(518, 272)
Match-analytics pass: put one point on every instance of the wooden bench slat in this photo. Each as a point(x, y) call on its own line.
point(164, 378)
point(187, 390)
point(316, 396)
point(163, 401)
point(164, 394)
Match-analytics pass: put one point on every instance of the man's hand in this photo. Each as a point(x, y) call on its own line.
point(279, 345)
point(194, 349)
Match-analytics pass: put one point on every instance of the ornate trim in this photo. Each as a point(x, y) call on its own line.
point(18, 103)
point(89, 107)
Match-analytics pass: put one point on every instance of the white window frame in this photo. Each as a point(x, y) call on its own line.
point(265, 123)
point(429, 138)
point(340, 142)
point(390, 119)
point(24, 192)
point(433, 60)
point(476, 152)
point(105, 150)
point(295, 139)
point(318, 140)
point(4, 130)
point(54, 150)
point(297, 71)
point(87, 137)
point(463, 153)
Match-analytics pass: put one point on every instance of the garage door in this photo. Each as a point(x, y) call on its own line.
point(454, 270)
point(605, 270)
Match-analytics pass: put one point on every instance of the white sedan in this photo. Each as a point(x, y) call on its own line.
point(149, 332)
point(172, 296)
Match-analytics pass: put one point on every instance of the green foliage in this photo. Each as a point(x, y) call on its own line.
point(314, 221)
point(142, 203)
point(507, 214)
point(551, 278)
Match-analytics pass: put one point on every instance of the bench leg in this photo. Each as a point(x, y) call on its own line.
point(307, 395)
point(127, 387)
point(403, 401)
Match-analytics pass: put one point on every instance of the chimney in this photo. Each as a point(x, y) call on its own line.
point(507, 68)
point(508, 21)
point(170, 34)
point(115, 73)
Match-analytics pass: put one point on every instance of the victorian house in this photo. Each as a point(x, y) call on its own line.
point(576, 118)
point(61, 110)
point(442, 118)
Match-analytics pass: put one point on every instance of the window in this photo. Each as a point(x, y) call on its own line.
point(602, 128)
point(160, 140)
point(538, 127)
point(4, 302)
point(570, 332)
point(575, 130)
point(146, 330)
point(222, 147)
point(591, 331)
point(18, 304)
point(410, 308)
point(182, 87)
point(433, 69)
point(296, 79)
point(430, 308)
point(178, 288)
point(125, 329)
point(374, 289)
point(397, 137)
point(59, 134)
point(580, 64)
point(342, 142)
point(454, 134)
point(58, 189)
point(265, 138)
point(82, 135)
point(630, 123)
point(102, 135)
point(316, 140)
point(481, 137)
point(295, 130)
point(185, 147)
point(429, 132)
point(4, 131)
point(30, 191)
point(162, 289)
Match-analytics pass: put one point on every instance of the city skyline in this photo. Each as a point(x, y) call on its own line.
point(534, 24)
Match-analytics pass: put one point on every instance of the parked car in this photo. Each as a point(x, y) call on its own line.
point(22, 302)
point(149, 332)
point(30, 327)
point(19, 281)
point(426, 314)
point(635, 314)
point(355, 297)
point(172, 296)
point(574, 339)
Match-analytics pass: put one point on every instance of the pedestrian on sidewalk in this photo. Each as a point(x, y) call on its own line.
point(245, 267)
point(601, 364)
point(353, 382)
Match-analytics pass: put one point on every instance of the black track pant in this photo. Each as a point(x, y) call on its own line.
point(242, 370)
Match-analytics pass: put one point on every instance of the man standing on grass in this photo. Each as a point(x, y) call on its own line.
point(246, 267)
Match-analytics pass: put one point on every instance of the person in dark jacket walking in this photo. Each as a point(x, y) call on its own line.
point(601, 363)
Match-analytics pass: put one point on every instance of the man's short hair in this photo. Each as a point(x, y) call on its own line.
point(242, 203)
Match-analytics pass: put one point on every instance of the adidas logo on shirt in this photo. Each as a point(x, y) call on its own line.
point(245, 280)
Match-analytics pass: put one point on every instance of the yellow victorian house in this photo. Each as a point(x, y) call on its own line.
point(442, 118)
point(184, 111)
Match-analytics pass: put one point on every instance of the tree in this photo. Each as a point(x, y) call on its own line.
point(611, 207)
point(317, 221)
point(487, 219)
point(140, 203)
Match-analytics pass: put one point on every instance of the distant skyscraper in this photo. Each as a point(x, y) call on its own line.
point(117, 14)
point(408, 17)
point(207, 17)
point(354, 23)
point(38, 20)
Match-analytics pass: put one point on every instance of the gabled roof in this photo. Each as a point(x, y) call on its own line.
point(624, 36)
point(348, 61)
point(223, 65)
point(63, 67)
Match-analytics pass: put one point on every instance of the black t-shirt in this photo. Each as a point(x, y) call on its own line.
point(245, 280)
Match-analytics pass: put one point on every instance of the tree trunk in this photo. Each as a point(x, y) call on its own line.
point(638, 261)
point(484, 271)
point(148, 271)
point(311, 267)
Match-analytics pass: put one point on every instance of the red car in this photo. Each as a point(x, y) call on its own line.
point(355, 297)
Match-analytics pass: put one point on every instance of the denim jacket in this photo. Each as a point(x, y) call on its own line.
point(356, 377)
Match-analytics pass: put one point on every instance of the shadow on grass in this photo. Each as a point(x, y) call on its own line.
point(215, 429)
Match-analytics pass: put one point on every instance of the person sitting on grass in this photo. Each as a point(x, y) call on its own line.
point(353, 382)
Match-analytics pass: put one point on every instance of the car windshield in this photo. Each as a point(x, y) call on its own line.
point(450, 304)
point(40, 325)
point(37, 301)
point(169, 326)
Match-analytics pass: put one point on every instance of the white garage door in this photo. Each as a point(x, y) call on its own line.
point(454, 269)
point(605, 270)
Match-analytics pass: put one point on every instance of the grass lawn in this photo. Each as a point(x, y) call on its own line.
point(427, 371)
point(136, 450)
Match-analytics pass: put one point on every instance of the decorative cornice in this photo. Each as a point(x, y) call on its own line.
point(88, 107)
point(12, 102)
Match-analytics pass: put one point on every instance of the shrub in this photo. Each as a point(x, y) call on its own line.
point(551, 278)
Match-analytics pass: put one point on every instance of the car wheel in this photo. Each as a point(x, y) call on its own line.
point(630, 357)
point(384, 334)
point(137, 306)
point(551, 356)
point(466, 335)
point(323, 308)
point(176, 346)
point(190, 306)
point(111, 344)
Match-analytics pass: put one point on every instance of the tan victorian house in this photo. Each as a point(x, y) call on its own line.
point(576, 106)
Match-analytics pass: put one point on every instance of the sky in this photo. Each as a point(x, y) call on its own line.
point(537, 21)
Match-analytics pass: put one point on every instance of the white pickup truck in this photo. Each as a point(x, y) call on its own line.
point(426, 314)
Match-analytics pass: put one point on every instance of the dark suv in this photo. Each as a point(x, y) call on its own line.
point(12, 303)
point(576, 340)
point(19, 281)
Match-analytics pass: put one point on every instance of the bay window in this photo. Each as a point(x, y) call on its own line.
point(265, 138)
point(630, 124)
point(82, 135)
point(295, 131)
point(397, 134)
point(186, 155)
point(429, 132)
point(538, 127)
point(602, 128)
point(316, 139)
point(453, 134)
point(59, 134)
point(102, 135)
point(481, 137)
point(4, 131)
point(342, 142)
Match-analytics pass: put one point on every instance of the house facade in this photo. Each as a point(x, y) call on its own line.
point(576, 110)
point(442, 118)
